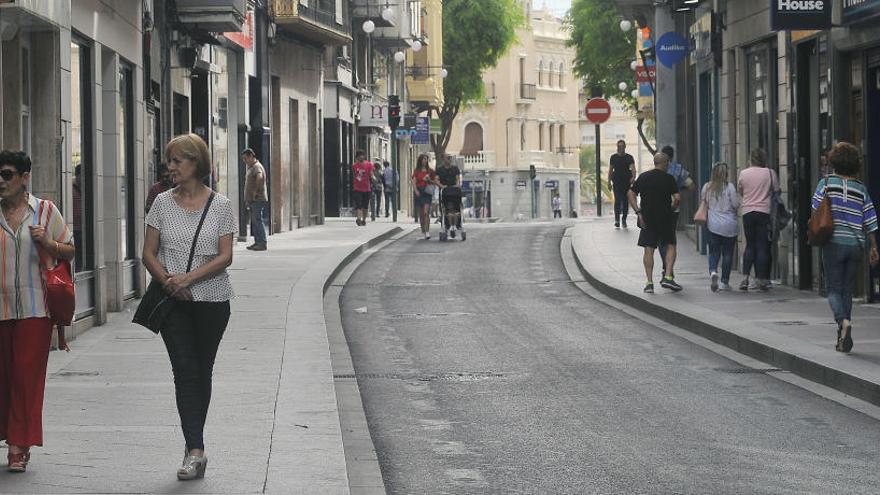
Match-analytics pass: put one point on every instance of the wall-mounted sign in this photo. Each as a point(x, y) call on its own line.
point(373, 115)
point(701, 37)
point(422, 131)
point(551, 184)
point(860, 10)
point(646, 74)
point(436, 126)
point(672, 49)
point(245, 38)
point(788, 15)
point(522, 185)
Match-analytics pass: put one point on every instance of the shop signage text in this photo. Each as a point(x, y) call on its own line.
point(422, 131)
point(373, 115)
point(860, 10)
point(672, 49)
point(551, 184)
point(800, 14)
point(521, 185)
point(646, 74)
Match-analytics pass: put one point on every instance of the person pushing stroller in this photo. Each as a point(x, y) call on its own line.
point(449, 176)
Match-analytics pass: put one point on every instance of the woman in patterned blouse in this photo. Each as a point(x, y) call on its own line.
point(193, 330)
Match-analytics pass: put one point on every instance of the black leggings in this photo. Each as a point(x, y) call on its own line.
point(192, 335)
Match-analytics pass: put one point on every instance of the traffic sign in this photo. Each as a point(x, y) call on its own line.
point(598, 110)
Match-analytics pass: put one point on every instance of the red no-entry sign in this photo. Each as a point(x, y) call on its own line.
point(598, 110)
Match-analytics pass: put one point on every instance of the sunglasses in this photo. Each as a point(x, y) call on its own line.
point(7, 174)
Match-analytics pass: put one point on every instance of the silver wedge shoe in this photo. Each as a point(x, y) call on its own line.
point(193, 467)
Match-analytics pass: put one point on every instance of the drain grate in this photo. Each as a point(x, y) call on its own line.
point(750, 370)
point(457, 376)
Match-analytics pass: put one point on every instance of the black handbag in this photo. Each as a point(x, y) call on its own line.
point(156, 305)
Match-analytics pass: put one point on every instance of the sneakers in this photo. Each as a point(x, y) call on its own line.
point(744, 285)
point(844, 337)
point(624, 224)
point(259, 247)
point(670, 283)
point(616, 225)
point(427, 235)
point(649, 288)
point(713, 281)
point(724, 287)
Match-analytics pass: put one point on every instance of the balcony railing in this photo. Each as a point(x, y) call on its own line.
point(312, 22)
point(483, 160)
point(528, 92)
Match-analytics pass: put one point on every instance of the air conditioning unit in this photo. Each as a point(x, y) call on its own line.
point(217, 16)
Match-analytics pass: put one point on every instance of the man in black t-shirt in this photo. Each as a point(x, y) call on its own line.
point(621, 175)
point(450, 194)
point(659, 197)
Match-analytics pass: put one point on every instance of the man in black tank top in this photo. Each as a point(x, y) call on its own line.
point(621, 175)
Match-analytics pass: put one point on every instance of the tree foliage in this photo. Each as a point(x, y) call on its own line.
point(474, 39)
point(603, 52)
point(587, 162)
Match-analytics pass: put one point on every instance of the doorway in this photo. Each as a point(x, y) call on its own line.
point(872, 151)
point(295, 207)
point(808, 274)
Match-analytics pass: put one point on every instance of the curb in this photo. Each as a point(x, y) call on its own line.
point(843, 382)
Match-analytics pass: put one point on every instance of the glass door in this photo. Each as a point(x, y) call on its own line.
point(81, 210)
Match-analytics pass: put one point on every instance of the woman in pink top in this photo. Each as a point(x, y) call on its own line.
point(757, 184)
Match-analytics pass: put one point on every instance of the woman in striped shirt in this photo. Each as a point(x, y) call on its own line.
point(31, 230)
point(855, 223)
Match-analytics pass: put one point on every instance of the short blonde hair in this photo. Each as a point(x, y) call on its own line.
point(193, 147)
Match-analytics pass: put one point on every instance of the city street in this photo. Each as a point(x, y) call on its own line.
point(484, 369)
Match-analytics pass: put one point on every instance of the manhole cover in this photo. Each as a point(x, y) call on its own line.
point(750, 370)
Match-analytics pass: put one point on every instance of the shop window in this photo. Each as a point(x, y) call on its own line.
point(125, 116)
point(82, 157)
point(761, 104)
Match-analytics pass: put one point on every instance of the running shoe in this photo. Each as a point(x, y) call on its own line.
point(671, 284)
point(724, 287)
point(649, 289)
point(744, 285)
point(427, 235)
point(616, 225)
point(713, 284)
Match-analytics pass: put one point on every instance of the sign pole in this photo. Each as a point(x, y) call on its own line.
point(598, 175)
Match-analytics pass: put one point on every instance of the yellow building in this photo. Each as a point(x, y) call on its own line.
point(424, 82)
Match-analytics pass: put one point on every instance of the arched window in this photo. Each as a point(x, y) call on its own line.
point(541, 136)
point(552, 138)
point(561, 79)
point(522, 136)
point(550, 75)
point(473, 139)
point(541, 73)
point(562, 137)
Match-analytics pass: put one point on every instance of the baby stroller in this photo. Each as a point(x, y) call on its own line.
point(450, 203)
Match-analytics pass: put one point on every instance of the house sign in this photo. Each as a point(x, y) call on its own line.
point(860, 10)
point(799, 15)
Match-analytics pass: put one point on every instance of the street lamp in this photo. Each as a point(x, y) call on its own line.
point(416, 46)
point(622, 86)
point(443, 73)
point(387, 14)
point(368, 26)
point(635, 93)
point(625, 25)
point(399, 57)
point(634, 65)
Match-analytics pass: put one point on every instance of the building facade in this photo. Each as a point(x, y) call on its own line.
point(528, 121)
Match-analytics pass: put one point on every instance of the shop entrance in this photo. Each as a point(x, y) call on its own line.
point(872, 151)
point(807, 171)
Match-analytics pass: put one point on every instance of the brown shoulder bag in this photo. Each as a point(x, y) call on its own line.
point(820, 227)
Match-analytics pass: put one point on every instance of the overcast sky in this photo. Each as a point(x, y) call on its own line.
point(559, 7)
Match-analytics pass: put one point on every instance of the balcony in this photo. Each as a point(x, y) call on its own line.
point(546, 159)
point(528, 92)
point(32, 15)
point(215, 16)
point(361, 10)
point(312, 22)
point(483, 160)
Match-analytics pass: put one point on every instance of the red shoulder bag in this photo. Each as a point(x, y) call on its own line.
point(58, 283)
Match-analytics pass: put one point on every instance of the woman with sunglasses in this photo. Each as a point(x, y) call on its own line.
point(32, 233)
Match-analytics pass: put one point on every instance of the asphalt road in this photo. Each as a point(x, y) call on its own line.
point(483, 369)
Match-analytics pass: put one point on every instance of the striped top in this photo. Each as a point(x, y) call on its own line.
point(21, 279)
point(851, 208)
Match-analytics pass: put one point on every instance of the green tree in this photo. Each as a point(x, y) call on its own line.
point(474, 39)
point(587, 161)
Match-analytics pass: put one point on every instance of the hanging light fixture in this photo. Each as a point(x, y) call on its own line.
point(399, 57)
point(368, 26)
point(622, 86)
point(416, 45)
point(625, 25)
point(634, 65)
point(388, 14)
point(443, 73)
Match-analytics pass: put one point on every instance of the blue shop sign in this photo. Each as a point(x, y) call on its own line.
point(423, 128)
point(471, 186)
point(672, 49)
point(860, 10)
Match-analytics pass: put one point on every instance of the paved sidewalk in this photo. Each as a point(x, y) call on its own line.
point(790, 329)
point(111, 425)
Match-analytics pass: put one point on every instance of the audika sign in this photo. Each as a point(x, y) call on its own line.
point(799, 15)
point(860, 10)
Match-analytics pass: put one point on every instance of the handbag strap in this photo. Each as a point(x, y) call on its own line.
point(192, 250)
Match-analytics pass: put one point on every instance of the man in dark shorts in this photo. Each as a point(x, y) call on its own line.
point(621, 175)
point(450, 194)
point(362, 173)
point(659, 197)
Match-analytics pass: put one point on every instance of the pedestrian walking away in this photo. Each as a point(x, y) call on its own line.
point(556, 202)
point(620, 176)
point(449, 179)
point(855, 225)
point(423, 183)
point(163, 184)
point(194, 328)
point(757, 184)
point(35, 235)
point(722, 203)
point(362, 184)
point(653, 196)
point(684, 183)
point(391, 179)
point(377, 179)
point(256, 199)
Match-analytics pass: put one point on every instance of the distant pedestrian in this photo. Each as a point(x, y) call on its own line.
point(256, 198)
point(855, 223)
point(556, 202)
point(363, 186)
point(722, 203)
point(423, 183)
point(198, 319)
point(684, 183)
point(621, 175)
point(659, 195)
point(391, 180)
point(163, 184)
point(377, 180)
point(757, 184)
point(34, 233)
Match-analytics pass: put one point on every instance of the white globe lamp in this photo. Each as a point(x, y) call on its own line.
point(634, 65)
point(635, 93)
point(416, 46)
point(625, 25)
point(622, 86)
point(368, 26)
point(443, 73)
point(399, 57)
point(388, 14)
